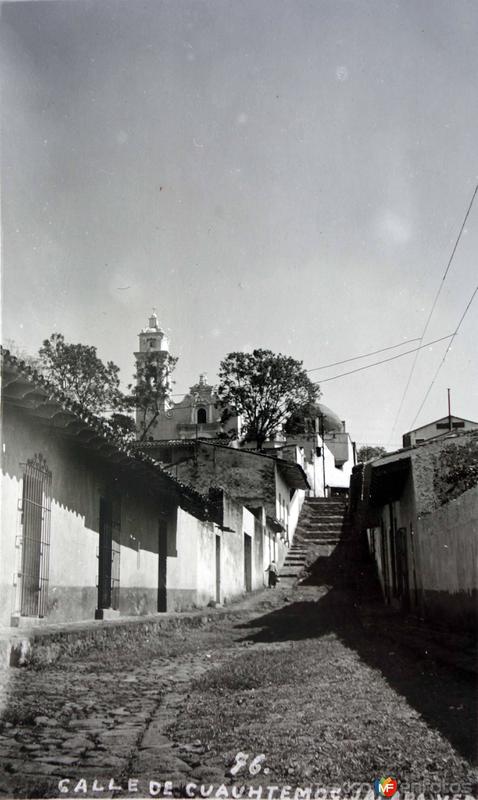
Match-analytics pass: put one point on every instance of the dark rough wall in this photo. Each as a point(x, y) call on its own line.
point(444, 469)
point(246, 477)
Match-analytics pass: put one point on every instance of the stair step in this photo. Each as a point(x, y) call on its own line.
point(325, 540)
point(306, 535)
point(319, 502)
point(323, 523)
point(326, 517)
point(340, 520)
point(324, 527)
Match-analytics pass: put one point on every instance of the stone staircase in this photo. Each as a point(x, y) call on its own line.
point(322, 522)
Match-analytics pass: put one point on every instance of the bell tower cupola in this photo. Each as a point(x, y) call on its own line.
point(152, 338)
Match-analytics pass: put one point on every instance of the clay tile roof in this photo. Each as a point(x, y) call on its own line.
point(44, 394)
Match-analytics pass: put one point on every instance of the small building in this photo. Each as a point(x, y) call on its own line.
point(327, 452)
point(272, 487)
point(92, 529)
point(419, 507)
point(198, 413)
point(440, 427)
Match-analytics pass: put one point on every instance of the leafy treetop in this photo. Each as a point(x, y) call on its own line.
point(265, 389)
point(77, 371)
point(367, 452)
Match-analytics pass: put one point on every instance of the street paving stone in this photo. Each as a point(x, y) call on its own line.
point(92, 725)
point(110, 721)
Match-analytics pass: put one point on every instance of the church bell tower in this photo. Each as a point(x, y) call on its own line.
point(153, 344)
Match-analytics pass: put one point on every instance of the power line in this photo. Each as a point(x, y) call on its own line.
point(457, 241)
point(444, 356)
point(337, 363)
point(365, 355)
point(384, 360)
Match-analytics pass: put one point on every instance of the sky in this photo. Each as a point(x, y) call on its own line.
point(284, 174)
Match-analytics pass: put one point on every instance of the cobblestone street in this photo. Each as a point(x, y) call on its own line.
point(344, 705)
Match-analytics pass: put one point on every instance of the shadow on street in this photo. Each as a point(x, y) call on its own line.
point(446, 697)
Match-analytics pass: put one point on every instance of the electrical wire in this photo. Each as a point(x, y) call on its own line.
point(365, 355)
point(384, 360)
point(337, 363)
point(444, 356)
point(353, 358)
point(412, 370)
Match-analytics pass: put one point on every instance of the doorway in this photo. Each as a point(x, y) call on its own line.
point(247, 562)
point(218, 569)
point(403, 587)
point(105, 554)
point(36, 502)
point(162, 565)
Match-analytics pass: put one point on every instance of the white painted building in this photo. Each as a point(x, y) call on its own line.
point(439, 427)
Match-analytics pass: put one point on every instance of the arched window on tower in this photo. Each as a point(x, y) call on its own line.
point(151, 343)
point(201, 416)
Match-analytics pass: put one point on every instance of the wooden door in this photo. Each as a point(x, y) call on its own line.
point(163, 566)
point(218, 569)
point(403, 585)
point(105, 554)
point(247, 562)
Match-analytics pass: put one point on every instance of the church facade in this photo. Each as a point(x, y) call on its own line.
point(196, 416)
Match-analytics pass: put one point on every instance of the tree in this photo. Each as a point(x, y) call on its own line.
point(265, 389)
point(302, 420)
point(22, 355)
point(367, 452)
point(77, 371)
point(151, 391)
point(122, 425)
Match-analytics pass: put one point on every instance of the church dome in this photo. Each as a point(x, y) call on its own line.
point(332, 423)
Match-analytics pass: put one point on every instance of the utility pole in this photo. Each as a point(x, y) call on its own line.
point(449, 411)
point(321, 418)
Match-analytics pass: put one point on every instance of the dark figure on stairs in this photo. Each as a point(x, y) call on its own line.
point(273, 577)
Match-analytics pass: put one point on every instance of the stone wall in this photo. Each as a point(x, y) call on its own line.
point(429, 536)
point(246, 477)
point(447, 548)
point(445, 468)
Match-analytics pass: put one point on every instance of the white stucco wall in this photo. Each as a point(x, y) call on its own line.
point(295, 506)
point(191, 573)
point(9, 551)
point(282, 501)
point(79, 480)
